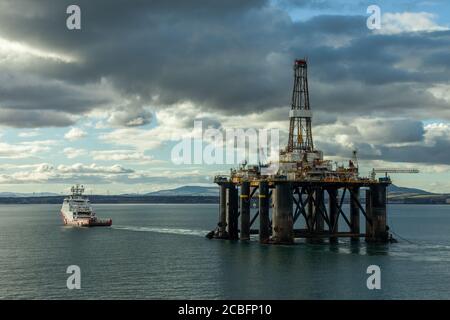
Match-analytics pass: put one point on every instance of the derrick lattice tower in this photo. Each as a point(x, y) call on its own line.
point(300, 134)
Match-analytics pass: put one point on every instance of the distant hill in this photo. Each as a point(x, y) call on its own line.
point(214, 191)
point(111, 199)
point(416, 196)
point(25, 195)
point(396, 194)
point(188, 191)
point(199, 191)
point(198, 194)
point(395, 189)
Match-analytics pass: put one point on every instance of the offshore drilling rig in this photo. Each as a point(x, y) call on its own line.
point(305, 185)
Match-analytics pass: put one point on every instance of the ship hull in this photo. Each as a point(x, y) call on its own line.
point(85, 222)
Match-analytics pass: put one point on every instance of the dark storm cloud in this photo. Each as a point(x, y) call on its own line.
point(433, 154)
point(34, 119)
point(33, 101)
point(310, 4)
point(130, 116)
point(233, 57)
point(399, 140)
point(353, 98)
point(372, 59)
point(305, 3)
point(213, 53)
point(388, 131)
point(46, 97)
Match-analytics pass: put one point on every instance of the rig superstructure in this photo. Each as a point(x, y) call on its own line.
point(304, 185)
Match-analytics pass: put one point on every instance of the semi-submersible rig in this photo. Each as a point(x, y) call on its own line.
point(305, 185)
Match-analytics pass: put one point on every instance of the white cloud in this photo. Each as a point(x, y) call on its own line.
point(75, 134)
point(11, 51)
point(47, 173)
point(436, 131)
point(74, 153)
point(177, 122)
point(394, 23)
point(25, 149)
point(130, 115)
point(29, 134)
point(441, 91)
point(370, 130)
point(124, 155)
point(93, 168)
point(93, 174)
point(174, 123)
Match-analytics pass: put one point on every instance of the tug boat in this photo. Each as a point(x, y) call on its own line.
point(77, 210)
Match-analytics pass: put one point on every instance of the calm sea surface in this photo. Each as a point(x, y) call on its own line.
point(159, 251)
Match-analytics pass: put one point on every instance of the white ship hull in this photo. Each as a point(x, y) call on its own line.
point(85, 222)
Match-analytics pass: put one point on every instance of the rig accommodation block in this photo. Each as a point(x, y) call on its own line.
point(305, 186)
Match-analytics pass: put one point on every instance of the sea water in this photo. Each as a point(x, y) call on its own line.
point(159, 251)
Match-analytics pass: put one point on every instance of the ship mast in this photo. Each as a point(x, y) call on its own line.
point(77, 190)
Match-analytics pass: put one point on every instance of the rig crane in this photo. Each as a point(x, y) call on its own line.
point(390, 170)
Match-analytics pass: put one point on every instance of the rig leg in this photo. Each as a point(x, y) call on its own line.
point(221, 232)
point(354, 213)
point(369, 217)
point(333, 212)
point(283, 232)
point(232, 213)
point(378, 202)
point(310, 210)
point(317, 215)
point(264, 221)
point(318, 210)
point(245, 211)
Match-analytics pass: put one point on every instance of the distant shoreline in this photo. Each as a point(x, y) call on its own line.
point(112, 199)
point(103, 199)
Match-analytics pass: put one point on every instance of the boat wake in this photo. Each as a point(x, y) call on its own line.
point(200, 233)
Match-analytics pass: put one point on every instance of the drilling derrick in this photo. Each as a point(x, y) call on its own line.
point(300, 134)
point(299, 160)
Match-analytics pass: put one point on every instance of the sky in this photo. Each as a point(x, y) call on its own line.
point(105, 105)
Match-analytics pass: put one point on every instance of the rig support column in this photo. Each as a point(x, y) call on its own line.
point(282, 231)
point(378, 202)
point(222, 225)
point(369, 216)
point(264, 221)
point(245, 211)
point(318, 210)
point(354, 213)
point(232, 213)
point(333, 213)
point(310, 210)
